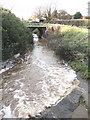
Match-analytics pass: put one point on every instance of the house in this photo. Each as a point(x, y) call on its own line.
point(40, 19)
point(55, 19)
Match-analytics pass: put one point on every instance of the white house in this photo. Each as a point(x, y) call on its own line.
point(40, 19)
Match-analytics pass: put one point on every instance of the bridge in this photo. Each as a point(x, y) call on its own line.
point(40, 26)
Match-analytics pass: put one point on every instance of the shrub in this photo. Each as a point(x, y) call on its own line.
point(65, 52)
point(15, 36)
point(73, 22)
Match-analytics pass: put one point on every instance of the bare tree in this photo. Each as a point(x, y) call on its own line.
point(38, 13)
point(62, 14)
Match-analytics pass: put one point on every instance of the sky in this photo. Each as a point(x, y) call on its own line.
point(25, 8)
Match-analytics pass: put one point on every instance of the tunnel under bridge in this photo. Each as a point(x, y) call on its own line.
point(40, 29)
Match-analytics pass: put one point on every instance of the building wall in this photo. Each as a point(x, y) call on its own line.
point(89, 8)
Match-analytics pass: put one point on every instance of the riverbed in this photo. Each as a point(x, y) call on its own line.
point(39, 82)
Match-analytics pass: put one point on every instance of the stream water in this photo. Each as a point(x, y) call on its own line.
point(42, 80)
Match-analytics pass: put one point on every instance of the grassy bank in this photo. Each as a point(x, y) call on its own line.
point(71, 44)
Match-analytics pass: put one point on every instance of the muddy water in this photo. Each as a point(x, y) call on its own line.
point(38, 83)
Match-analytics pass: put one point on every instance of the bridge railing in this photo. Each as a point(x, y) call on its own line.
point(28, 24)
point(37, 23)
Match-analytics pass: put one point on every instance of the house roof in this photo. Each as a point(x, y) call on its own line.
point(41, 18)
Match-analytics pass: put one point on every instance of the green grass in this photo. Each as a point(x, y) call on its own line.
point(83, 102)
point(78, 41)
point(79, 66)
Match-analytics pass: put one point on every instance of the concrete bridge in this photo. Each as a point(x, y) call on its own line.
point(41, 30)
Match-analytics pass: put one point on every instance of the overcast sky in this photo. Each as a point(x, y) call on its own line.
point(25, 8)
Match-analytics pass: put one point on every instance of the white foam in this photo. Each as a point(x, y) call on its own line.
point(7, 111)
point(5, 69)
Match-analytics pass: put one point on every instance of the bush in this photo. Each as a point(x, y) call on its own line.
point(73, 22)
point(15, 36)
point(65, 52)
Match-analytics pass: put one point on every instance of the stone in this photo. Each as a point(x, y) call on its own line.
point(75, 96)
point(80, 112)
point(62, 110)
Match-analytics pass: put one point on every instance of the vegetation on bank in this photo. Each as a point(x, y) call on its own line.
point(71, 44)
point(74, 22)
point(16, 37)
